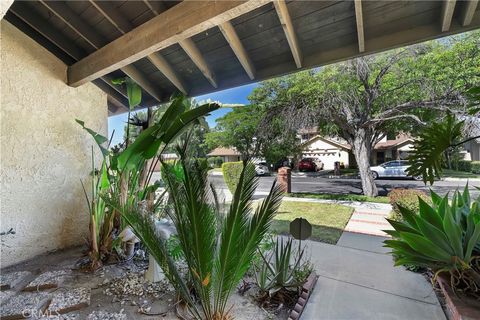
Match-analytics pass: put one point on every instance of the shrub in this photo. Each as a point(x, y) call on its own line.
point(231, 174)
point(475, 166)
point(406, 198)
point(465, 165)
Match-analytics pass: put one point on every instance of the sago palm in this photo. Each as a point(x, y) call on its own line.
point(218, 247)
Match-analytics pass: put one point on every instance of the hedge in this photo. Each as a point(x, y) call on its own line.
point(231, 174)
point(406, 198)
point(465, 165)
point(215, 162)
point(475, 166)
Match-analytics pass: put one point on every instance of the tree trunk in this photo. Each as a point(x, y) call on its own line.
point(361, 150)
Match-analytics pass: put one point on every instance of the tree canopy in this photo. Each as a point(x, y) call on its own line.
point(363, 99)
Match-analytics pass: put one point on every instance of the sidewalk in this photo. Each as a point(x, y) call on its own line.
point(357, 280)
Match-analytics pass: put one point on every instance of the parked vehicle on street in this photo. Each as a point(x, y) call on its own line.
point(310, 165)
point(395, 169)
point(261, 169)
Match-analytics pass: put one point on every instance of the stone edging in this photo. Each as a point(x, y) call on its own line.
point(307, 289)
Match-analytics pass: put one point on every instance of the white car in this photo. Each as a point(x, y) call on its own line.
point(396, 168)
point(261, 169)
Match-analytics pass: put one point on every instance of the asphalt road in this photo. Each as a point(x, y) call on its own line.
point(353, 186)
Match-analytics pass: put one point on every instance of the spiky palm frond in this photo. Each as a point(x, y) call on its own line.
point(241, 234)
point(143, 226)
point(195, 220)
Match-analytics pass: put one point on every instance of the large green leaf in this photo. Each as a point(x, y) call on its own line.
point(173, 122)
point(99, 139)
point(426, 158)
point(454, 233)
point(134, 93)
point(425, 247)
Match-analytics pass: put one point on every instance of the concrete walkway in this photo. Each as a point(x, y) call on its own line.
point(357, 280)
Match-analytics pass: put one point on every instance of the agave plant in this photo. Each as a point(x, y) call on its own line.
point(444, 237)
point(274, 276)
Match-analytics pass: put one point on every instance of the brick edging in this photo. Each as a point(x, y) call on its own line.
point(307, 289)
point(459, 309)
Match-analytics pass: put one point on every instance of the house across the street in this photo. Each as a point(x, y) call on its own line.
point(227, 154)
point(331, 150)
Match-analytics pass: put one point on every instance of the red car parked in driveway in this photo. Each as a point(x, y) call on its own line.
point(309, 164)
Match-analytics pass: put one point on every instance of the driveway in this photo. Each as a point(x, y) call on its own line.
point(323, 184)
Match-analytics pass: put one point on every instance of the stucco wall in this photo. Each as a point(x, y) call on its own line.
point(44, 153)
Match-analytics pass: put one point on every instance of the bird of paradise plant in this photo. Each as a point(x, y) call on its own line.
point(127, 174)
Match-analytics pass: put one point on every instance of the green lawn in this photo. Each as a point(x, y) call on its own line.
point(447, 173)
point(215, 170)
point(346, 197)
point(328, 220)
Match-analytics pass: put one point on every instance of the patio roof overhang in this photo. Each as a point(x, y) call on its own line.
point(197, 47)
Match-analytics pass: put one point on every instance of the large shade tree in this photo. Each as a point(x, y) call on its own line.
point(364, 99)
point(240, 129)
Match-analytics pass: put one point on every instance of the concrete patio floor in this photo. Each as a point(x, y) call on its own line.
point(357, 280)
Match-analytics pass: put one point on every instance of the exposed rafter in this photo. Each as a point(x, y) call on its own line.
point(123, 26)
point(360, 29)
point(286, 21)
point(158, 60)
point(234, 41)
point(156, 7)
point(192, 51)
point(448, 7)
point(59, 40)
point(164, 67)
point(468, 11)
point(179, 22)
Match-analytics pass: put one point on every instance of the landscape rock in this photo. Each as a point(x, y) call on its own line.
point(134, 284)
point(69, 300)
point(47, 280)
point(5, 295)
point(23, 305)
point(58, 317)
point(12, 279)
point(103, 315)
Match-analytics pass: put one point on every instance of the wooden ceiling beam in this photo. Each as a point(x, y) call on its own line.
point(166, 69)
point(360, 28)
point(192, 51)
point(124, 26)
point(287, 25)
point(179, 22)
point(233, 40)
point(468, 11)
point(448, 7)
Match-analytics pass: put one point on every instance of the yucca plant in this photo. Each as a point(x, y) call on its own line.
point(443, 237)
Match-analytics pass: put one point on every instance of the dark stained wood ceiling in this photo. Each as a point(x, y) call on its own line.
point(323, 31)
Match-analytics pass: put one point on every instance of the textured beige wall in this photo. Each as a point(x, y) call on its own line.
point(44, 153)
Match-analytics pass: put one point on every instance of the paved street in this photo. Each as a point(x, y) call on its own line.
point(353, 186)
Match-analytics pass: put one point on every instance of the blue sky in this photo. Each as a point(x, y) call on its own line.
point(236, 95)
